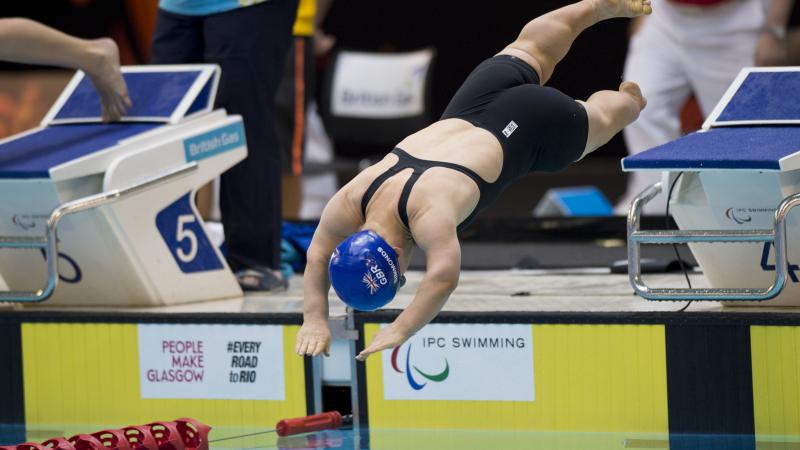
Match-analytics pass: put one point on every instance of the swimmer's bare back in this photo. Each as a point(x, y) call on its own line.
point(452, 141)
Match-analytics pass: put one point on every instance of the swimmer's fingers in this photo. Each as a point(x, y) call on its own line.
point(322, 347)
point(387, 338)
point(313, 339)
point(302, 342)
point(370, 350)
point(302, 346)
point(374, 347)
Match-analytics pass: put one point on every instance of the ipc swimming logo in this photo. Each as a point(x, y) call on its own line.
point(416, 385)
point(730, 213)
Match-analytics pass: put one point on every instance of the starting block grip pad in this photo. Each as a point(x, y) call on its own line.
point(759, 96)
point(32, 155)
point(727, 148)
point(151, 248)
point(158, 93)
point(736, 171)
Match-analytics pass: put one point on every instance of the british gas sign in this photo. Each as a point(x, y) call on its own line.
point(462, 362)
point(214, 142)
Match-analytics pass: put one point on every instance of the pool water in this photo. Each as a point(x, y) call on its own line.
point(377, 439)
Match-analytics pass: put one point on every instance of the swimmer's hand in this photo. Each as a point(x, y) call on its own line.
point(389, 337)
point(314, 338)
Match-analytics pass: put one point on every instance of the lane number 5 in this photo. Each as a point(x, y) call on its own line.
point(182, 234)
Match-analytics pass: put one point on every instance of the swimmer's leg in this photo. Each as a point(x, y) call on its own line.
point(25, 41)
point(544, 41)
point(611, 111)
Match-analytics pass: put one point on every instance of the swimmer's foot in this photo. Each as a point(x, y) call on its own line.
point(632, 89)
point(608, 9)
point(103, 68)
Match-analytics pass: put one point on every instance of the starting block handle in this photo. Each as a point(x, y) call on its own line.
point(49, 243)
point(636, 237)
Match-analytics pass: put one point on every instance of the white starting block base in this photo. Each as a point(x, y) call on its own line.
point(735, 174)
point(740, 201)
point(147, 249)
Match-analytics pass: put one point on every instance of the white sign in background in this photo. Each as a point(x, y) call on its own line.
point(380, 86)
point(462, 362)
point(233, 362)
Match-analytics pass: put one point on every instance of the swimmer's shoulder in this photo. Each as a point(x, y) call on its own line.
point(352, 192)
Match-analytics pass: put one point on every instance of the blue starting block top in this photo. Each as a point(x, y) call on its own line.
point(33, 155)
point(759, 96)
point(755, 126)
point(742, 148)
point(159, 94)
point(73, 128)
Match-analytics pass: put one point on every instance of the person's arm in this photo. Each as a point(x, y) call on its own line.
point(771, 49)
point(323, 6)
point(28, 42)
point(337, 222)
point(323, 42)
point(437, 237)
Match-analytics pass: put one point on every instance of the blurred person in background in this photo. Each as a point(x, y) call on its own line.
point(295, 94)
point(694, 47)
point(249, 40)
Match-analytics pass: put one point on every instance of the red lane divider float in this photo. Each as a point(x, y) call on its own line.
point(25, 446)
point(86, 442)
point(140, 438)
point(182, 434)
point(58, 444)
point(194, 433)
point(166, 435)
point(113, 439)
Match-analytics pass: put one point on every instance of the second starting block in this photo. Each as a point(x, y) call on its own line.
point(736, 182)
point(105, 211)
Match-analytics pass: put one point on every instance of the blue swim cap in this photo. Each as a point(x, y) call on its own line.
point(364, 271)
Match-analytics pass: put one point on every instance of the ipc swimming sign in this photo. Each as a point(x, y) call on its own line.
point(491, 362)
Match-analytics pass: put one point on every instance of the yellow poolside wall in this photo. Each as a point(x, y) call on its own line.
point(775, 354)
point(88, 374)
point(608, 379)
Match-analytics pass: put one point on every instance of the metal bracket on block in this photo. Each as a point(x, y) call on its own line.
point(776, 236)
point(49, 242)
point(341, 328)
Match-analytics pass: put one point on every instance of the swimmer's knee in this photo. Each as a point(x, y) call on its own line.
point(533, 58)
point(605, 119)
point(613, 109)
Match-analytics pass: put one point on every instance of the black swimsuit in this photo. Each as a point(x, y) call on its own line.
point(419, 166)
point(539, 128)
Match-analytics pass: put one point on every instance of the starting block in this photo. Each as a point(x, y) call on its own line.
point(105, 211)
point(735, 182)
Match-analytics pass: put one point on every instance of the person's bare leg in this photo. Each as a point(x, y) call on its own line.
point(611, 111)
point(26, 41)
point(545, 41)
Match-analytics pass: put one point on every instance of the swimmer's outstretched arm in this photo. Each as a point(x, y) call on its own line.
point(337, 222)
point(438, 238)
point(29, 42)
